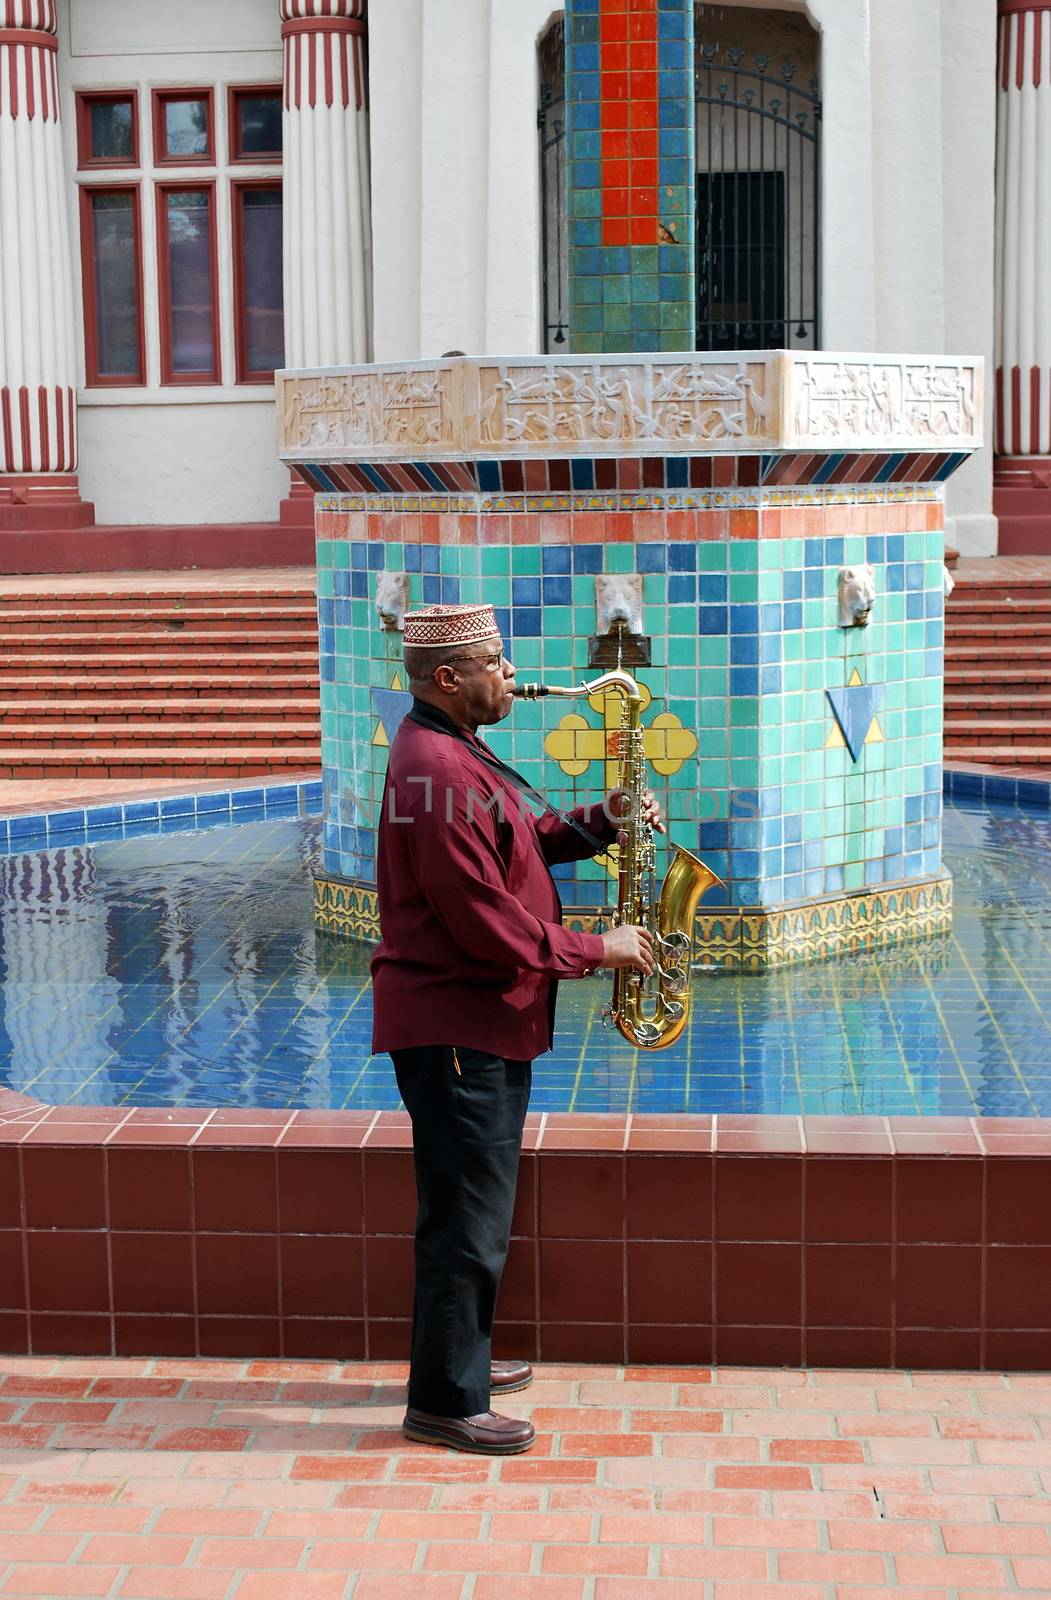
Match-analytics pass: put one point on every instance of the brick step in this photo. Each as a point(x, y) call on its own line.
point(203, 708)
point(102, 762)
point(1037, 707)
point(289, 618)
point(154, 686)
point(1022, 681)
point(995, 731)
point(961, 629)
point(149, 641)
point(1000, 590)
point(1031, 650)
point(74, 735)
point(1013, 605)
point(1001, 755)
point(84, 661)
point(185, 599)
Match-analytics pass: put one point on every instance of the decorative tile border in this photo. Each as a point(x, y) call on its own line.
point(734, 939)
point(979, 785)
point(43, 830)
point(626, 500)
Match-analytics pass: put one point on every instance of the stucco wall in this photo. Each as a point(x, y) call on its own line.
point(153, 454)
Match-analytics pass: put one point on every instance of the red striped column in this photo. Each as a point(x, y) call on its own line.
point(38, 418)
point(1023, 235)
point(328, 228)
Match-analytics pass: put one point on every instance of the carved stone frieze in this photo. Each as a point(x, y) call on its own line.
point(630, 405)
point(925, 404)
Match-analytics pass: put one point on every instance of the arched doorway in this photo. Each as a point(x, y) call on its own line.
point(758, 116)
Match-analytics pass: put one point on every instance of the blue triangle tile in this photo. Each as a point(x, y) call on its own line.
point(391, 705)
point(854, 708)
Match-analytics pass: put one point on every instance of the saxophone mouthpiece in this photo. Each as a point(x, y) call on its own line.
point(530, 691)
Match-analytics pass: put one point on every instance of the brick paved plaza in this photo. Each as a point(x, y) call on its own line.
point(181, 1480)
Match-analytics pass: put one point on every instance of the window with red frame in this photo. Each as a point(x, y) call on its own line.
point(187, 273)
point(255, 122)
point(108, 129)
point(258, 295)
point(112, 259)
point(183, 127)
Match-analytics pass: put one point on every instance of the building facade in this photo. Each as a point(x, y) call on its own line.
point(193, 196)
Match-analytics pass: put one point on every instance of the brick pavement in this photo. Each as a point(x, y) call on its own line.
point(227, 1480)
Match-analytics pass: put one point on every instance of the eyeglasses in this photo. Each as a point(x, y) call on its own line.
point(490, 663)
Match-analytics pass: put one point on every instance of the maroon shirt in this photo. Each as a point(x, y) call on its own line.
point(472, 942)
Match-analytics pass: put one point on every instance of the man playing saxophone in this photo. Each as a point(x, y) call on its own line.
point(464, 987)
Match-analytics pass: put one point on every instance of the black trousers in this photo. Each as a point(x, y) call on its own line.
point(468, 1110)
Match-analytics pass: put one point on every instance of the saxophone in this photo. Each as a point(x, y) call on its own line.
point(651, 1012)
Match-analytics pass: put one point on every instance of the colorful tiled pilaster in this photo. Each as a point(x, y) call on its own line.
point(799, 757)
point(630, 174)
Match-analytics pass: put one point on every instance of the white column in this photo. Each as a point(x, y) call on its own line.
point(38, 366)
point(1023, 229)
point(328, 233)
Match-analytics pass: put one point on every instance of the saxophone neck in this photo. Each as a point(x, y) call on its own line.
point(617, 682)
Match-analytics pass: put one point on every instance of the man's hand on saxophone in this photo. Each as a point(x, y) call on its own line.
point(618, 804)
point(628, 947)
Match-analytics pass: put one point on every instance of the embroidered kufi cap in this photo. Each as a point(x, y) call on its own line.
point(440, 626)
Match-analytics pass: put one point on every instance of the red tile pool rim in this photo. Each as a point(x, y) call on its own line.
point(764, 1240)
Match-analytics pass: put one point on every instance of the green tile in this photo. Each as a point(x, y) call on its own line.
point(712, 556)
point(683, 646)
point(715, 650)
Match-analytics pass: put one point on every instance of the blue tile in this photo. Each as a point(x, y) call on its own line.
point(744, 681)
point(28, 827)
point(744, 803)
point(587, 558)
point(525, 622)
point(219, 801)
point(556, 559)
point(650, 557)
point(713, 619)
point(104, 816)
point(141, 810)
point(66, 822)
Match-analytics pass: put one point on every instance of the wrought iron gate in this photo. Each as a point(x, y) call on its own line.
point(758, 204)
point(551, 120)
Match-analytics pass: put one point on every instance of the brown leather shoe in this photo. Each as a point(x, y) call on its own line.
point(486, 1434)
point(507, 1376)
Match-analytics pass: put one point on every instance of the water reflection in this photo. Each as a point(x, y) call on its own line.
point(184, 969)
